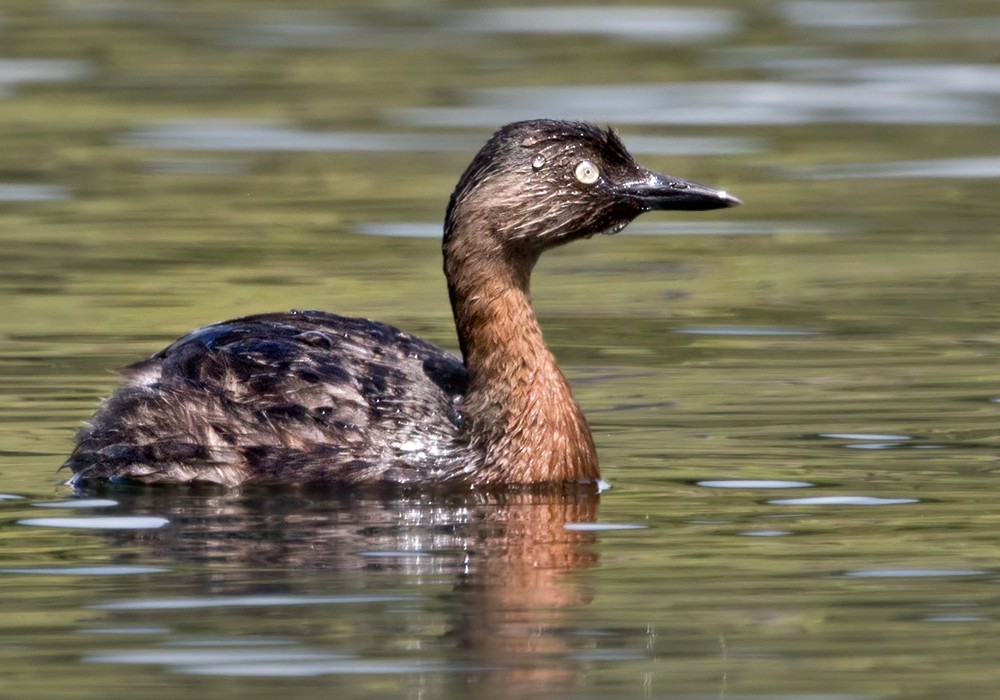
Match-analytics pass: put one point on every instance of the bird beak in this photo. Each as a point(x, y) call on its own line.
point(658, 192)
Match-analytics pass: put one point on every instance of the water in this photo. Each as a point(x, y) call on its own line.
point(796, 401)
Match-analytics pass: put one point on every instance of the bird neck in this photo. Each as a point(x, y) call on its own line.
point(518, 405)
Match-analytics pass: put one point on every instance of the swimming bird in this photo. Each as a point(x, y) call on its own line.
point(313, 398)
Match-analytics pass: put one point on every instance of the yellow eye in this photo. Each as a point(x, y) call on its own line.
point(586, 172)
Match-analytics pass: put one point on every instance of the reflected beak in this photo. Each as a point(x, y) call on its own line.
point(660, 192)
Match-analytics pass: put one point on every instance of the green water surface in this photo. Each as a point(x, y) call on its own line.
point(796, 401)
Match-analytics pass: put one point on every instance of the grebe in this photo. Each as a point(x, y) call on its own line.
point(308, 397)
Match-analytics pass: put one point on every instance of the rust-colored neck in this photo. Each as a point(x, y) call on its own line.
point(519, 406)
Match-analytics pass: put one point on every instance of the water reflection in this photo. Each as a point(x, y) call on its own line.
point(300, 29)
point(505, 559)
point(257, 136)
point(987, 167)
point(33, 193)
point(833, 14)
point(432, 27)
point(913, 573)
point(14, 71)
point(754, 484)
point(84, 570)
point(112, 522)
point(738, 331)
point(659, 24)
point(843, 501)
point(246, 601)
point(196, 166)
point(77, 503)
point(941, 77)
point(904, 99)
point(879, 437)
point(884, 22)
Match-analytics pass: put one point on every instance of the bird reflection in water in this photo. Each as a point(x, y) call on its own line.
point(490, 573)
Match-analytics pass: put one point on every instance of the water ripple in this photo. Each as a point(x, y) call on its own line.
point(973, 78)
point(78, 503)
point(843, 501)
point(856, 14)
point(607, 655)
point(121, 522)
point(41, 70)
point(259, 136)
point(208, 656)
point(602, 527)
point(260, 658)
point(33, 193)
point(111, 631)
point(319, 29)
point(978, 168)
point(86, 570)
point(659, 24)
point(722, 103)
point(319, 668)
point(880, 437)
point(251, 601)
point(957, 618)
point(913, 573)
point(754, 484)
point(745, 331)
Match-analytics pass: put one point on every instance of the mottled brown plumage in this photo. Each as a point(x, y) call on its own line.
point(314, 398)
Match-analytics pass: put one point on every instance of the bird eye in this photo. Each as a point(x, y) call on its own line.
point(586, 172)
